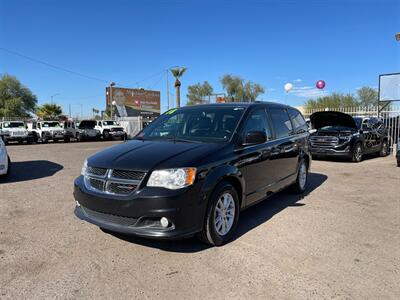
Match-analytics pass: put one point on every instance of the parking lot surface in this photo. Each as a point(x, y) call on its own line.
point(340, 240)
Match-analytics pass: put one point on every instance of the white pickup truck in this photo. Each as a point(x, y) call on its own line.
point(15, 131)
point(110, 129)
point(49, 130)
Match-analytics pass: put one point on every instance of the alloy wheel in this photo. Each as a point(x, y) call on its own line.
point(224, 214)
point(302, 175)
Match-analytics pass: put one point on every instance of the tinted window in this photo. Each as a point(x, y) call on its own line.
point(87, 124)
point(205, 124)
point(257, 121)
point(281, 122)
point(298, 121)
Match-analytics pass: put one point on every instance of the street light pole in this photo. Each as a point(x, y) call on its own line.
point(51, 97)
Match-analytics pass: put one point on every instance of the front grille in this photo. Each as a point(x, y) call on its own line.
point(17, 133)
point(96, 171)
point(324, 141)
point(109, 181)
point(126, 221)
point(121, 188)
point(117, 129)
point(129, 175)
point(95, 183)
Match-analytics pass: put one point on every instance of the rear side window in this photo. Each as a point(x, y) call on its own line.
point(298, 121)
point(257, 121)
point(281, 122)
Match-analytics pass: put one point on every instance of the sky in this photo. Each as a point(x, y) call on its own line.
point(345, 43)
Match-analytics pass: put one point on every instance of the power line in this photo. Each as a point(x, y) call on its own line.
point(53, 66)
point(78, 73)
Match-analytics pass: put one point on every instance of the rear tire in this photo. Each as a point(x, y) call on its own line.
point(300, 185)
point(222, 215)
point(357, 153)
point(106, 135)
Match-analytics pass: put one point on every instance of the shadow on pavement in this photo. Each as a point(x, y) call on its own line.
point(249, 219)
point(31, 170)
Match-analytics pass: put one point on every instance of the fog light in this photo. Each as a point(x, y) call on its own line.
point(164, 222)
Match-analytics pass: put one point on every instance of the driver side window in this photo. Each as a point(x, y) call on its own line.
point(257, 121)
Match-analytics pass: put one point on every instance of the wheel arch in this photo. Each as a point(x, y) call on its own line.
point(229, 174)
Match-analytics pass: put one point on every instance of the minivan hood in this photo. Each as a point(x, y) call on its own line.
point(331, 118)
point(147, 155)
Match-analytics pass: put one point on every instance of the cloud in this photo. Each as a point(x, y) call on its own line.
point(308, 92)
point(298, 80)
point(270, 90)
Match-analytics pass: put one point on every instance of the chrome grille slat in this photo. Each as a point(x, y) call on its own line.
point(97, 171)
point(130, 175)
point(115, 182)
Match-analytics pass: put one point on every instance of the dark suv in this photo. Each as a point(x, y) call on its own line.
point(193, 169)
point(341, 135)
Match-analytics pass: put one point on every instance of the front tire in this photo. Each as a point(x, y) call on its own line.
point(106, 135)
point(357, 153)
point(222, 215)
point(384, 149)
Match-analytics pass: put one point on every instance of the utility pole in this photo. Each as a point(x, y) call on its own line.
point(69, 107)
point(112, 83)
point(51, 97)
point(167, 90)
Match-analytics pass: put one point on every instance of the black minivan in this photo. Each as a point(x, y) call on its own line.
point(193, 170)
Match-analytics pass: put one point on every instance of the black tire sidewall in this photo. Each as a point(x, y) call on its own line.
point(212, 236)
point(384, 147)
point(298, 188)
point(353, 158)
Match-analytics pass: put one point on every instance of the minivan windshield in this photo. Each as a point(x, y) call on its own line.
point(197, 124)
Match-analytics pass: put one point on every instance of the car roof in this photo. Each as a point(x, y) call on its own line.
point(239, 104)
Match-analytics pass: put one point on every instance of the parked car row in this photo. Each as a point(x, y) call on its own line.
point(45, 131)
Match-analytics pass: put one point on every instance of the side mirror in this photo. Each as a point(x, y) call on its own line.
point(254, 138)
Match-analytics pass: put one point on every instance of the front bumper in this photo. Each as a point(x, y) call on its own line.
point(140, 212)
point(16, 138)
point(343, 150)
point(117, 133)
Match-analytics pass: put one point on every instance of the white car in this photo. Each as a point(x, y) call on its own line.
point(4, 160)
point(15, 131)
point(110, 129)
point(49, 130)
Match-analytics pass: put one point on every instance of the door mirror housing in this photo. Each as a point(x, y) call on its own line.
point(254, 138)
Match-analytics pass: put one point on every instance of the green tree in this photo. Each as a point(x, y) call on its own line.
point(240, 90)
point(49, 111)
point(177, 73)
point(367, 96)
point(197, 92)
point(335, 100)
point(16, 100)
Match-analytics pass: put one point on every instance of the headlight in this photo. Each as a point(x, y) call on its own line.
point(84, 168)
point(172, 178)
point(345, 138)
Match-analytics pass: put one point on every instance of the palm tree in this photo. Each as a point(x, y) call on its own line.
point(49, 111)
point(177, 73)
